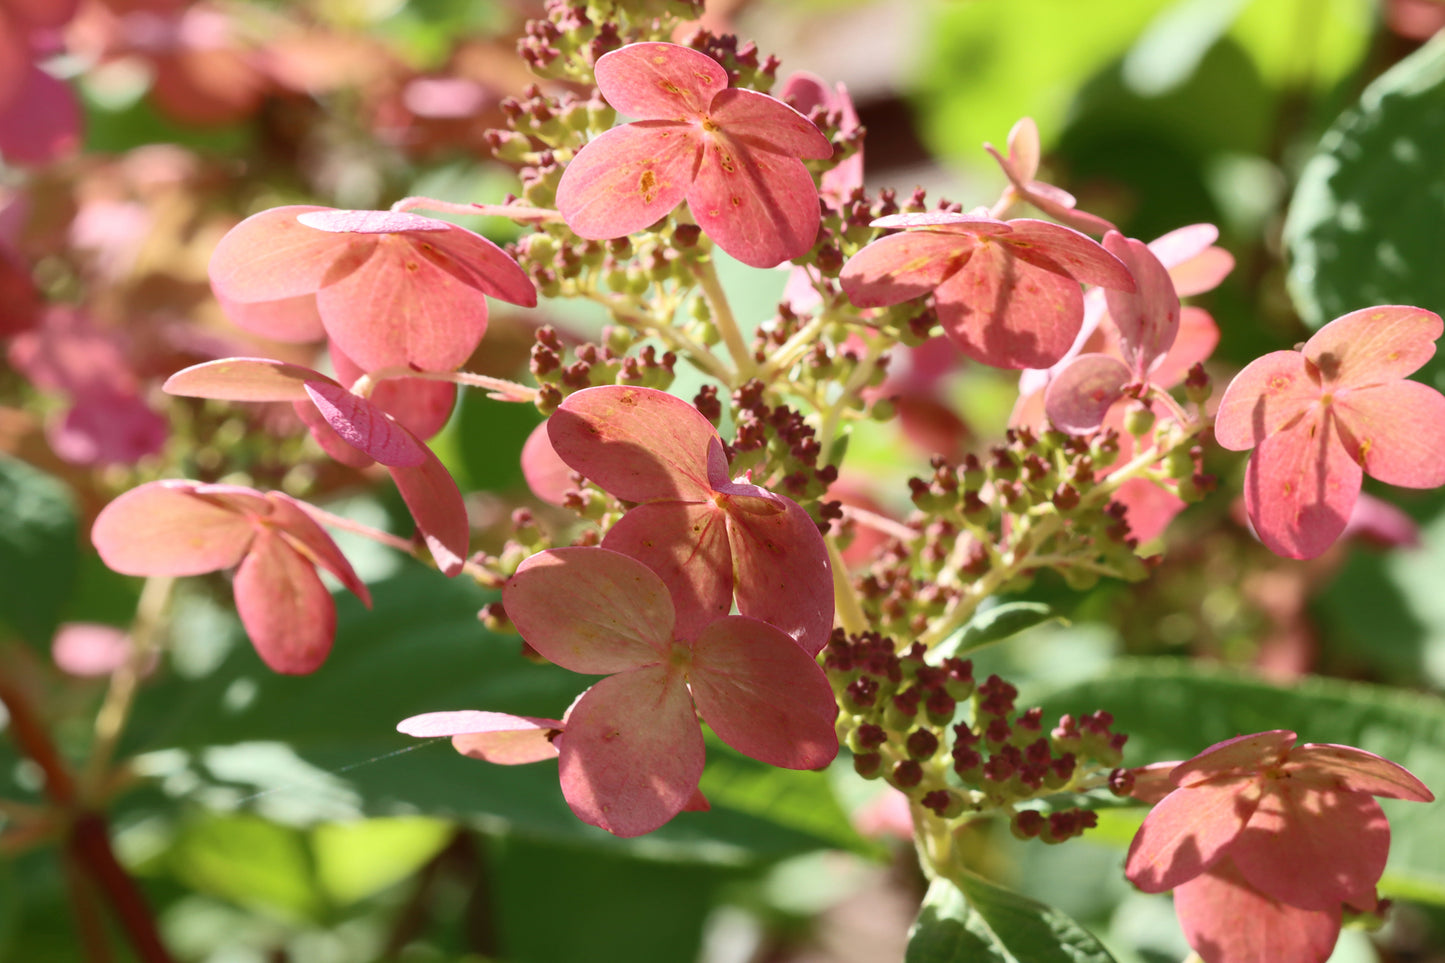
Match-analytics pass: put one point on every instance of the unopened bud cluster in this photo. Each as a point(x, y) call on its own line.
point(561, 369)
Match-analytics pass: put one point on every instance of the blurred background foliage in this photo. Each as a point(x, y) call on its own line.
point(275, 819)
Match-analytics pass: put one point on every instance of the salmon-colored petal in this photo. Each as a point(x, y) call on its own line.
point(952, 222)
point(1272, 391)
point(549, 477)
point(783, 574)
point(308, 537)
point(1069, 250)
point(1148, 508)
point(423, 406)
point(686, 545)
point(244, 379)
point(14, 60)
point(1084, 390)
point(495, 737)
point(43, 13)
point(1188, 831)
point(1197, 338)
point(42, 122)
point(1313, 849)
point(327, 438)
point(1147, 319)
point(370, 222)
point(1394, 432)
point(1372, 345)
point(659, 80)
point(1241, 755)
point(1009, 313)
point(162, 528)
point(900, 267)
point(1226, 920)
point(365, 427)
point(479, 262)
point(763, 695)
point(1300, 487)
point(759, 206)
point(287, 612)
point(766, 122)
point(628, 178)
point(436, 505)
point(272, 255)
point(590, 610)
point(293, 320)
point(639, 444)
point(1325, 765)
point(633, 752)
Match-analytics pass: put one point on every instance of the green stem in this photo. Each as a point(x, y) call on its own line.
point(722, 317)
point(856, 382)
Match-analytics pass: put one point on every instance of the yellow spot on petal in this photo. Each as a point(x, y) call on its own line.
point(1287, 488)
point(647, 187)
point(737, 201)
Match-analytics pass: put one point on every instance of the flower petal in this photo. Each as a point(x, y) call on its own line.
point(1009, 313)
point(1148, 508)
point(759, 206)
point(1393, 430)
point(633, 752)
point(292, 320)
point(1188, 831)
point(311, 540)
point(436, 505)
point(1226, 920)
point(900, 267)
point(1300, 487)
point(628, 177)
point(1272, 391)
point(1313, 849)
point(763, 695)
point(42, 123)
point(1326, 765)
point(1148, 318)
point(783, 574)
point(162, 528)
point(659, 80)
point(287, 612)
point(1372, 345)
point(1083, 391)
point(364, 426)
point(244, 379)
point(1070, 251)
point(590, 610)
point(1197, 338)
point(639, 444)
point(423, 406)
point(272, 255)
point(1242, 755)
point(369, 222)
point(686, 545)
point(546, 473)
point(495, 737)
point(766, 122)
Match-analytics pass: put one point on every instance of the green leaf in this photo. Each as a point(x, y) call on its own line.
point(251, 862)
point(1173, 710)
point(38, 550)
point(996, 624)
point(356, 860)
point(1367, 222)
point(985, 923)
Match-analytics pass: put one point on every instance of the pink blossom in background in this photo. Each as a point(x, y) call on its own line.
point(40, 117)
point(178, 527)
point(92, 650)
point(632, 753)
point(1320, 418)
point(807, 92)
point(708, 537)
point(1007, 291)
point(1264, 842)
point(387, 287)
point(734, 155)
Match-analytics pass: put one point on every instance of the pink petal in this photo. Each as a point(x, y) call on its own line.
point(633, 752)
point(590, 610)
point(366, 427)
point(1147, 319)
point(271, 255)
point(1300, 487)
point(421, 405)
point(162, 528)
point(1188, 831)
point(639, 444)
point(1023, 149)
point(15, 61)
point(1153, 782)
point(783, 574)
point(327, 438)
point(763, 695)
point(1148, 508)
point(1313, 849)
point(951, 222)
point(90, 650)
point(42, 123)
point(494, 737)
point(686, 545)
point(308, 538)
point(1241, 755)
point(900, 267)
point(478, 262)
point(1393, 430)
point(1082, 393)
point(767, 123)
point(1325, 765)
point(546, 473)
point(1198, 336)
point(1372, 345)
point(760, 207)
point(1267, 395)
point(369, 222)
point(107, 427)
point(1008, 313)
point(436, 505)
point(628, 178)
point(1195, 266)
point(287, 612)
point(1381, 525)
point(405, 304)
point(244, 379)
point(1079, 255)
point(461, 722)
point(285, 319)
point(1225, 920)
point(42, 13)
point(659, 80)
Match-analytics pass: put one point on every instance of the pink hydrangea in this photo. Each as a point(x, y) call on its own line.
point(1264, 842)
point(1321, 417)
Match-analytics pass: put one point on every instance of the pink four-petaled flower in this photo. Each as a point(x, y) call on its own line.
point(1321, 417)
point(733, 154)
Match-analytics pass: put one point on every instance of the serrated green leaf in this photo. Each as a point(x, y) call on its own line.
point(994, 625)
point(38, 549)
point(1173, 710)
point(985, 923)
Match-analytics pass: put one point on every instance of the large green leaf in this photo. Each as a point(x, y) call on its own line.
point(38, 549)
point(985, 923)
point(1173, 710)
point(1367, 222)
point(994, 625)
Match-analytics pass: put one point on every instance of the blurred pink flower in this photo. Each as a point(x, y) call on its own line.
point(40, 117)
